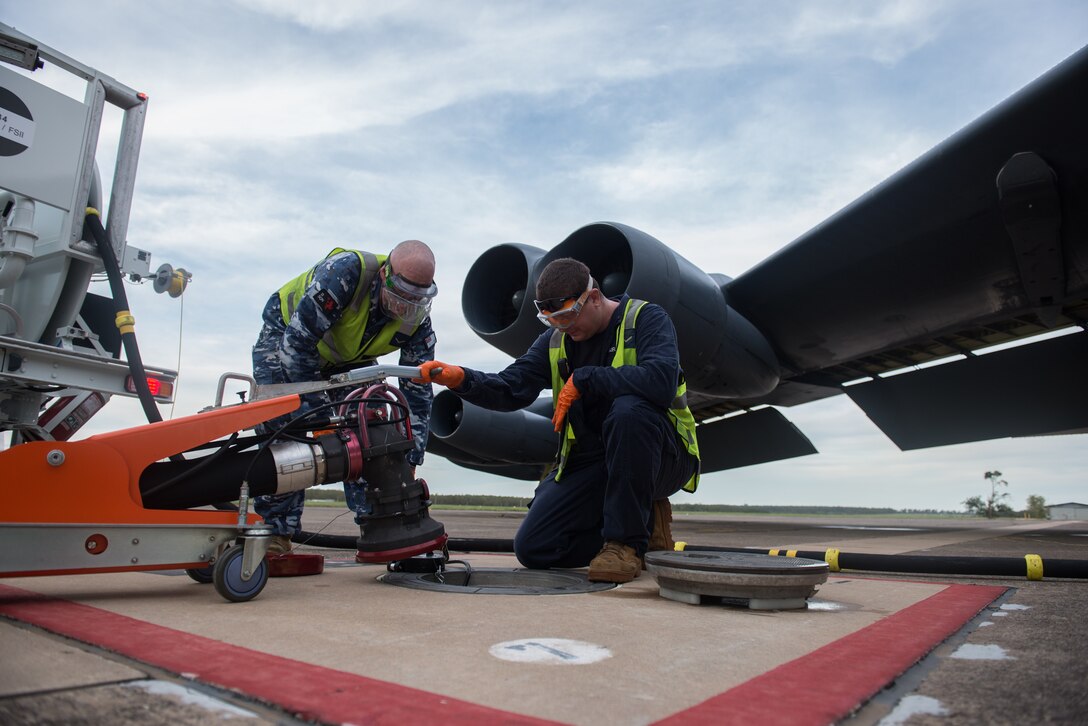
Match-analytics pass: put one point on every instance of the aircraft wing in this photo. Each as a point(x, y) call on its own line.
point(981, 241)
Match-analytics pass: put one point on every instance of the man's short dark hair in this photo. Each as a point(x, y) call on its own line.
point(562, 278)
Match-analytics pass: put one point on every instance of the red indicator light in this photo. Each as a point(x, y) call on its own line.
point(159, 388)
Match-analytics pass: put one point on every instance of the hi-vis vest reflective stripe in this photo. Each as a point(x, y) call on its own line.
point(626, 355)
point(343, 343)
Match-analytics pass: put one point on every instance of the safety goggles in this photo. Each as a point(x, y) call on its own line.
point(560, 312)
point(405, 300)
point(407, 289)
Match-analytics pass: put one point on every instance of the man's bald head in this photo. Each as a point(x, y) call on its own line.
point(414, 261)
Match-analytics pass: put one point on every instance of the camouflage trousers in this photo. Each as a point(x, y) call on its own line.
point(283, 512)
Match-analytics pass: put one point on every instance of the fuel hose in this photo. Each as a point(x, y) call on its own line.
point(1033, 567)
point(124, 319)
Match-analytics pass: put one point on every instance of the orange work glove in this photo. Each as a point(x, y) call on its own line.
point(434, 371)
point(568, 394)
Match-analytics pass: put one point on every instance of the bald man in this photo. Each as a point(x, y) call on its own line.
point(344, 313)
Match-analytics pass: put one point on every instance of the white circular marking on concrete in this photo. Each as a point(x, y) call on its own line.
point(550, 651)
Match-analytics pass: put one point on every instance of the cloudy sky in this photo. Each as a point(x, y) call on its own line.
point(277, 130)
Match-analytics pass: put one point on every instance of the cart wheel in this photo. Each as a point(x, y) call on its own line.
point(228, 577)
point(203, 575)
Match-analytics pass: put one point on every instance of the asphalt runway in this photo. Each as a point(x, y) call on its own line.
point(971, 537)
point(1019, 661)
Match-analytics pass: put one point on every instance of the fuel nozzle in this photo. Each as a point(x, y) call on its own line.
point(399, 525)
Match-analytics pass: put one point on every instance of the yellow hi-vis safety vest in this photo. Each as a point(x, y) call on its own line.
point(679, 413)
point(343, 343)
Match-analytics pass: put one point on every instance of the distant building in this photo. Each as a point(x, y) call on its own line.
point(1069, 510)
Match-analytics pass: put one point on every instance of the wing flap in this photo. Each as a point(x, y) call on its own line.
point(1036, 389)
point(751, 438)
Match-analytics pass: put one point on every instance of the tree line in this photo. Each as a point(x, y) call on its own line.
point(994, 505)
point(505, 502)
point(990, 507)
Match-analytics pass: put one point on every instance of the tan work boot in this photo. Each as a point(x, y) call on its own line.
point(279, 544)
point(661, 535)
point(616, 562)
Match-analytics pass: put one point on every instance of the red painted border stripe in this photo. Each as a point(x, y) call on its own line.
point(308, 691)
point(829, 683)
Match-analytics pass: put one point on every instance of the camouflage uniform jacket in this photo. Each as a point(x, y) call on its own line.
point(287, 353)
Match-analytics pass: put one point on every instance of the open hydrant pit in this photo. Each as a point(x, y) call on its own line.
point(497, 581)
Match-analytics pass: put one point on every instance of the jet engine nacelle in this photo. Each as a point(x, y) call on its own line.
point(722, 354)
point(516, 437)
point(497, 298)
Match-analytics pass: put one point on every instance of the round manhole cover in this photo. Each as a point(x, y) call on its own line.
point(756, 581)
point(740, 562)
point(494, 581)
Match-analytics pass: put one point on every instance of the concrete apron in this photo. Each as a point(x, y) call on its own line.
point(344, 647)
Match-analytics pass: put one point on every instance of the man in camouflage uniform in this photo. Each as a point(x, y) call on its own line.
point(343, 313)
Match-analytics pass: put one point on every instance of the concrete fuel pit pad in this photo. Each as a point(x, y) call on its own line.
point(343, 647)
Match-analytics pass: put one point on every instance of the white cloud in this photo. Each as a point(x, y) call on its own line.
point(884, 32)
point(277, 130)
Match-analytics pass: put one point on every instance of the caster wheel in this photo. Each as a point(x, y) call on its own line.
point(228, 577)
point(203, 575)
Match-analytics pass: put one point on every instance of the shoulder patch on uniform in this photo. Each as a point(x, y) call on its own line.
point(325, 301)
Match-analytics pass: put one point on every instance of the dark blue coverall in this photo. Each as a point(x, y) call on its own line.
point(627, 453)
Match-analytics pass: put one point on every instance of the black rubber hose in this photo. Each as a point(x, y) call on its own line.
point(120, 304)
point(480, 545)
point(932, 564)
point(200, 464)
point(915, 564)
point(329, 541)
point(345, 542)
point(174, 484)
